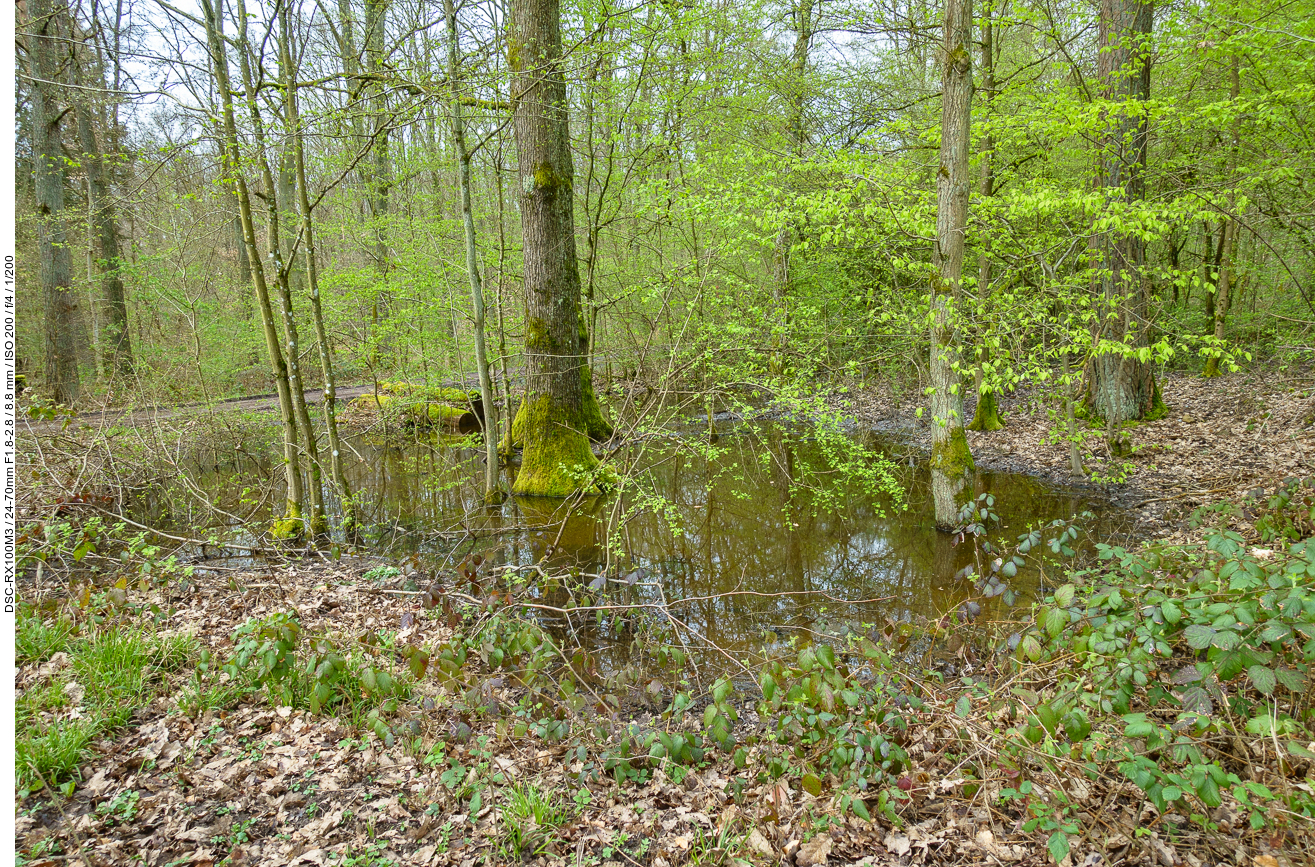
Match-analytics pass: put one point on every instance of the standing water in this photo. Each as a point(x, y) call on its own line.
point(756, 537)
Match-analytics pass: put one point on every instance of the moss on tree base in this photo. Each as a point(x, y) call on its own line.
point(290, 528)
point(987, 415)
point(557, 461)
point(595, 425)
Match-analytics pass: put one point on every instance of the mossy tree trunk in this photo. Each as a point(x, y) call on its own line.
point(472, 261)
point(43, 48)
point(557, 457)
point(952, 465)
point(231, 159)
point(986, 416)
point(1121, 385)
point(329, 401)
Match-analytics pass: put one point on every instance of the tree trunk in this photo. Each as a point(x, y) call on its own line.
point(1122, 387)
point(60, 300)
point(782, 267)
point(282, 271)
point(986, 415)
point(378, 184)
point(491, 492)
point(291, 525)
point(329, 402)
point(557, 458)
point(952, 465)
point(1228, 246)
point(116, 341)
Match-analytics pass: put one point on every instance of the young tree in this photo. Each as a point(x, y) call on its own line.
point(472, 259)
point(1122, 383)
point(292, 522)
point(552, 424)
point(986, 416)
point(1223, 294)
point(280, 268)
point(43, 43)
point(329, 401)
point(952, 465)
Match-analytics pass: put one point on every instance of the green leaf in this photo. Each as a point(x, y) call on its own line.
point(963, 707)
point(812, 784)
point(1077, 726)
point(1226, 639)
point(1058, 846)
point(1172, 613)
point(1056, 620)
point(1293, 680)
point(1064, 595)
point(741, 758)
point(1198, 636)
point(1262, 678)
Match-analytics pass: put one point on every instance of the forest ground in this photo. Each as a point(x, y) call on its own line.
point(250, 782)
point(1220, 440)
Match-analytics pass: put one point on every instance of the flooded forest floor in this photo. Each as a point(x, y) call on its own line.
point(402, 722)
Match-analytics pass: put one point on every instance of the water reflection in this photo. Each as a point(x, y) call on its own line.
point(760, 537)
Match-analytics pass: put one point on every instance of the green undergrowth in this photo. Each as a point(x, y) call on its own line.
point(1174, 679)
point(356, 681)
point(92, 679)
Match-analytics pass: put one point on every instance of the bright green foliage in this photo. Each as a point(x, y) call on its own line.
point(112, 672)
point(1217, 637)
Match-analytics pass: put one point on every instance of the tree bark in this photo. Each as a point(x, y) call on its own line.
point(986, 415)
point(782, 267)
point(59, 298)
point(491, 492)
point(282, 270)
point(379, 166)
point(557, 457)
point(952, 466)
point(1122, 386)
